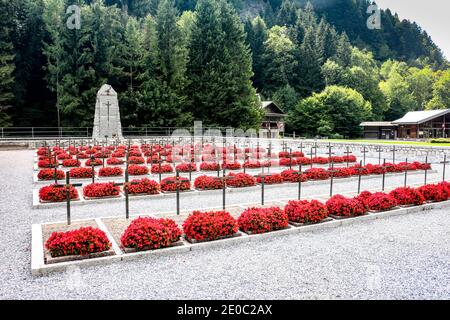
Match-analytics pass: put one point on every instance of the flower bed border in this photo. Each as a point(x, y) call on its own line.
point(193, 241)
point(300, 224)
point(38, 266)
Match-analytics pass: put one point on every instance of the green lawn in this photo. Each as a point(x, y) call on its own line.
point(413, 143)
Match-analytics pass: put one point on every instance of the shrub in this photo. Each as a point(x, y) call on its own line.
point(165, 168)
point(303, 211)
point(83, 155)
point(360, 170)
point(293, 176)
point(209, 166)
point(143, 186)
point(298, 154)
point(56, 193)
point(136, 160)
point(260, 220)
point(82, 241)
point(433, 192)
point(375, 169)
point(274, 178)
point(136, 170)
point(336, 159)
point(339, 205)
point(153, 158)
point(110, 172)
point(240, 180)
point(407, 196)
point(422, 166)
point(71, 163)
point(186, 167)
point(114, 161)
point(49, 174)
point(407, 166)
point(445, 185)
point(303, 160)
point(118, 154)
point(390, 167)
point(208, 183)
point(101, 189)
point(43, 151)
point(102, 154)
point(317, 174)
point(134, 153)
point(96, 162)
point(349, 158)
point(80, 173)
point(63, 156)
point(380, 201)
point(209, 225)
point(150, 233)
point(170, 184)
point(283, 154)
point(231, 165)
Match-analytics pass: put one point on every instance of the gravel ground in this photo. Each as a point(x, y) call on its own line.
point(404, 257)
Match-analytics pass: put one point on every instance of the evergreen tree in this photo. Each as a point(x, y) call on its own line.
point(257, 36)
point(287, 14)
point(220, 68)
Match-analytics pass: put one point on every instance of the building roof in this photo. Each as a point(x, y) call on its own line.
point(418, 117)
point(377, 124)
point(271, 109)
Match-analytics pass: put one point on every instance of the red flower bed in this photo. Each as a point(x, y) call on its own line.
point(80, 173)
point(136, 170)
point(434, 192)
point(283, 154)
point(358, 169)
point(101, 189)
point(341, 172)
point(375, 169)
point(54, 193)
point(118, 154)
point(252, 164)
point(114, 161)
point(150, 233)
point(297, 154)
point(407, 196)
point(208, 183)
point(110, 172)
point(390, 167)
point(336, 159)
point(349, 158)
point(422, 166)
point(134, 153)
point(339, 205)
point(317, 174)
point(169, 184)
point(210, 225)
point(143, 186)
point(49, 174)
point(293, 176)
point(303, 211)
point(186, 167)
point(274, 178)
point(43, 152)
point(303, 160)
point(209, 166)
point(153, 159)
point(82, 241)
point(102, 154)
point(241, 179)
point(380, 201)
point(71, 163)
point(231, 165)
point(407, 166)
point(260, 220)
point(96, 162)
point(136, 160)
point(287, 162)
point(165, 168)
point(363, 197)
point(83, 155)
point(63, 156)
point(320, 160)
point(445, 185)
point(47, 163)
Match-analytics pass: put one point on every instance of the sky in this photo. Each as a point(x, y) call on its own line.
point(432, 15)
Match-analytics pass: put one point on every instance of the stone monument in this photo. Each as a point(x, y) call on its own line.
point(107, 114)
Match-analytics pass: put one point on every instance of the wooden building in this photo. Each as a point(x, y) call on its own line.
point(273, 121)
point(414, 125)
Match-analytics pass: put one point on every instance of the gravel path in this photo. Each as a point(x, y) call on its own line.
point(404, 257)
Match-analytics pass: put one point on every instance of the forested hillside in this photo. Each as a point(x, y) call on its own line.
point(175, 61)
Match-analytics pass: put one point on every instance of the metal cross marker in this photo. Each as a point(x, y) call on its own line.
point(364, 151)
point(67, 186)
point(379, 150)
point(178, 181)
point(332, 171)
point(406, 172)
point(311, 157)
point(426, 169)
point(359, 170)
point(263, 179)
point(444, 163)
point(347, 154)
point(384, 174)
point(393, 150)
point(290, 158)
